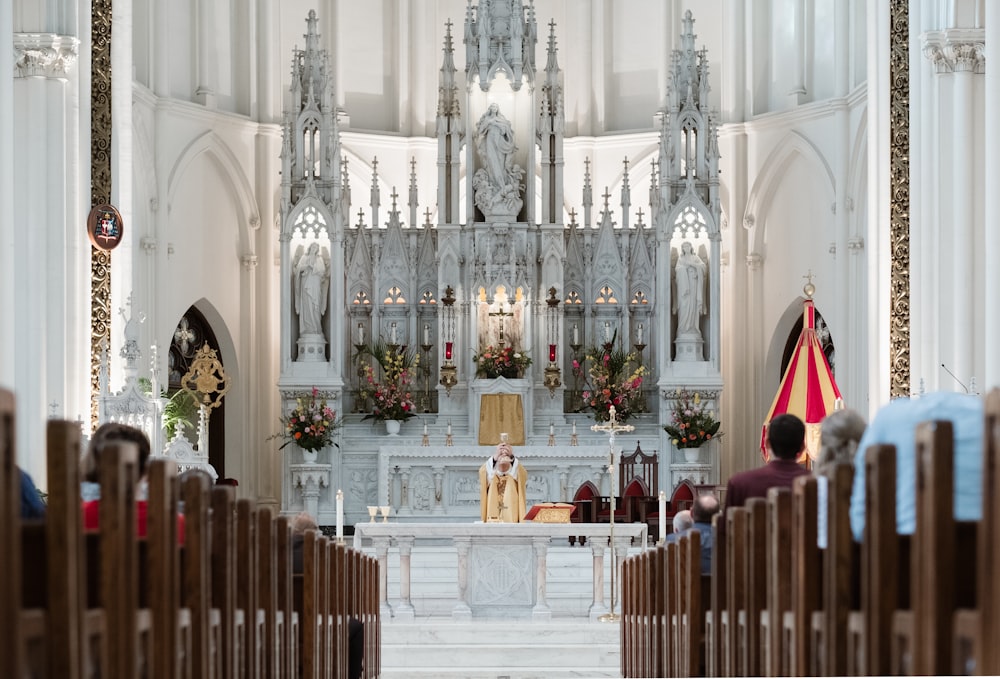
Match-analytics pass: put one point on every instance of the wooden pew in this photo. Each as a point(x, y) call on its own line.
point(884, 576)
point(754, 588)
point(306, 603)
point(806, 578)
point(779, 586)
point(976, 644)
point(628, 604)
point(736, 555)
point(206, 620)
point(267, 594)
point(713, 637)
point(840, 575)
point(692, 611)
point(11, 624)
point(172, 648)
point(289, 660)
point(246, 576)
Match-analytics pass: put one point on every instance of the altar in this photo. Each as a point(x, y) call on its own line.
point(501, 568)
point(441, 483)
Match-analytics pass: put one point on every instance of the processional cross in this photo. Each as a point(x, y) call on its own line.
point(612, 427)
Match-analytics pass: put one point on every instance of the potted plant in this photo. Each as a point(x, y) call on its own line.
point(692, 425)
point(310, 425)
point(502, 361)
point(392, 399)
point(614, 378)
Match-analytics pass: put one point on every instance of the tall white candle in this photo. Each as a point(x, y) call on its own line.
point(427, 333)
point(361, 333)
point(552, 428)
point(576, 334)
point(574, 427)
point(638, 335)
point(425, 427)
point(340, 513)
point(392, 333)
point(607, 331)
point(449, 427)
point(663, 516)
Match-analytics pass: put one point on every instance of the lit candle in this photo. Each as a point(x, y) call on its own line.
point(425, 428)
point(361, 333)
point(607, 331)
point(427, 333)
point(449, 427)
point(574, 429)
point(340, 514)
point(638, 335)
point(392, 333)
point(447, 350)
point(663, 516)
point(552, 353)
point(552, 428)
point(576, 334)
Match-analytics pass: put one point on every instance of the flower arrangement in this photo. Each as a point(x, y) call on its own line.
point(392, 398)
point(310, 425)
point(692, 425)
point(502, 361)
point(614, 378)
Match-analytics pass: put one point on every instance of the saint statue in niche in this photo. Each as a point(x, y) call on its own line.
point(497, 183)
point(311, 283)
point(689, 301)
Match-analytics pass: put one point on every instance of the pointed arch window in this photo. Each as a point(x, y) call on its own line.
point(427, 298)
point(573, 298)
point(361, 298)
point(606, 296)
point(639, 298)
point(310, 223)
point(394, 296)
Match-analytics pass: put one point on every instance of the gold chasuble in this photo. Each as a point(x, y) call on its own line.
point(501, 413)
point(502, 495)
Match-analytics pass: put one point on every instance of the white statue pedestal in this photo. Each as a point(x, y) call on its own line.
point(310, 480)
point(312, 348)
point(689, 348)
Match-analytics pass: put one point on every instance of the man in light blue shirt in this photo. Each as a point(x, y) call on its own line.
point(896, 424)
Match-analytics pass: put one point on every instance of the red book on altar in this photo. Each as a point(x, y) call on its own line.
point(550, 512)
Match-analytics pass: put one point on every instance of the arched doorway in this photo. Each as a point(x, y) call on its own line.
point(192, 332)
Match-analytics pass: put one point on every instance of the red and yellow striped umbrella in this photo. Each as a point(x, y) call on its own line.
point(807, 389)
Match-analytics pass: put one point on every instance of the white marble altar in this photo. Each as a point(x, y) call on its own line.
point(442, 483)
point(502, 568)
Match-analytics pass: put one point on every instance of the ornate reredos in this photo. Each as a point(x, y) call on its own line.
point(500, 36)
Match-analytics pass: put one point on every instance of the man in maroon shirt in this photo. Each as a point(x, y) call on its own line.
point(786, 439)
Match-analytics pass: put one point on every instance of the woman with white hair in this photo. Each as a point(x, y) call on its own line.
point(840, 433)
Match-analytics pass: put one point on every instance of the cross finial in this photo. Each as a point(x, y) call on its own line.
point(626, 164)
point(607, 197)
point(639, 214)
point(809, 289)
point(572, 215)
point(427, 216)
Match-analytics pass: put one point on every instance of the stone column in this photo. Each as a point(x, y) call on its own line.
point(597, 547)
point(462, 610)
point(382, 555)
point(41, 249)
point(991, 240)
point(404, 611)
point(541, 610)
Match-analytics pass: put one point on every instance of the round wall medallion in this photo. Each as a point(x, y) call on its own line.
point(105, 227)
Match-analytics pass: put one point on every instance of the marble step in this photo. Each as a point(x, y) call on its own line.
point(488, 649)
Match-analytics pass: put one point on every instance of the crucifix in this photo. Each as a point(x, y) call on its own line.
point(500, 314)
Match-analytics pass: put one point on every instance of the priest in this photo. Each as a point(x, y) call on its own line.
point(502, 482)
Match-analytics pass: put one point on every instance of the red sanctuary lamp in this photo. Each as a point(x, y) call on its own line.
point(551, 373)
point(447, 350)
point(448, 371)
point(552, 353)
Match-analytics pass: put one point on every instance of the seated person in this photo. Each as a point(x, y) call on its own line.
point(502, 483)
point(682, 521)
point(896, 424)
point(704, 508)
point(107, 434)
point(32, 506)
point(302, 522)
point(840, 432)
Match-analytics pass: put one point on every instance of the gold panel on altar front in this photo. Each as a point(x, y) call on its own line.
point(501, 413)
